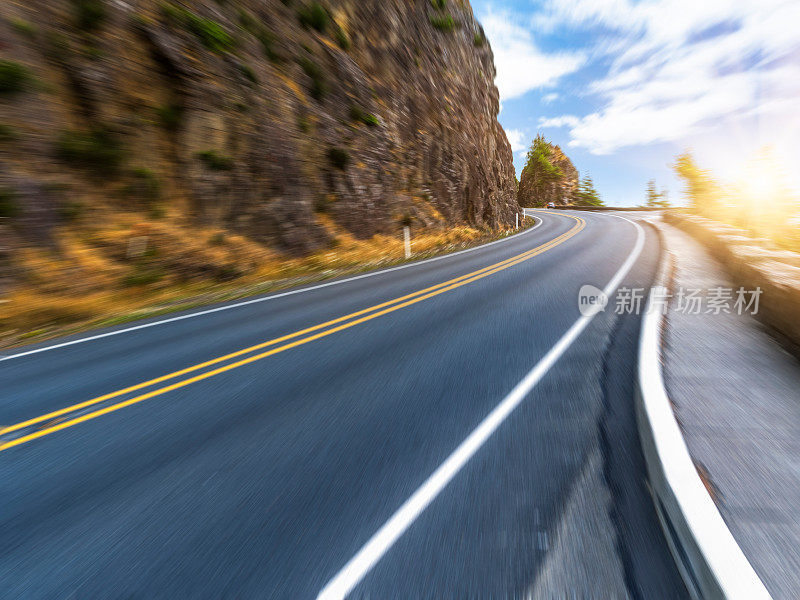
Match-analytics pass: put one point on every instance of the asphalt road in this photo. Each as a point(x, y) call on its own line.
point(264, 474)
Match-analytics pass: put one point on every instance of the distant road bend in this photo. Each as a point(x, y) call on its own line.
point(452, 428)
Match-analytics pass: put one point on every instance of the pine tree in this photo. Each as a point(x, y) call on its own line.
point(652, 194)
point(586, 194)
point(656, 199)
point(540, 169)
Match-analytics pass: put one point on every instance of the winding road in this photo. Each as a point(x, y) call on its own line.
point(452, 428)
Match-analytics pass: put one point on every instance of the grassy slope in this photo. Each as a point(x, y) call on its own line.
point(32, 316)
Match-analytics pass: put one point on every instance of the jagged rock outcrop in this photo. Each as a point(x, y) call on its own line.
point(548, 176)
point(255, 116)
point(564, 191)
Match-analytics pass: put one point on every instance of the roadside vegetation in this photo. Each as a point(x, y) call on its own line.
point(759, 202)
point(151, 268)
point(654, 198)
point(14, 78)
point(165, 153)
point(586, 194)
point(549, 176)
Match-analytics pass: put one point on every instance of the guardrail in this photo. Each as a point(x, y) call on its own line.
point(706, 553)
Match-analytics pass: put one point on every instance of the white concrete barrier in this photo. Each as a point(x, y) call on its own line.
point(711, 562)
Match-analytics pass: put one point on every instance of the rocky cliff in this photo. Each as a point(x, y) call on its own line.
point(250, 115)
point(151, 144)
point(548, 176)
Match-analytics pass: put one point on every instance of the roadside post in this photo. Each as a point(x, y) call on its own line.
point(407, 240)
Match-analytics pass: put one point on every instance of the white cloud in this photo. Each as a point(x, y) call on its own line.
point(610, 13)
point(550, 98)
point(562, 121)
point(517, 139)
point(521, 65)
point(679, 68)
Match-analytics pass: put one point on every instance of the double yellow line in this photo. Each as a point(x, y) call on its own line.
point(329, 328)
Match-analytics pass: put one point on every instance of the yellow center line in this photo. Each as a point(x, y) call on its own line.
point(392, 305)
point(272, 342)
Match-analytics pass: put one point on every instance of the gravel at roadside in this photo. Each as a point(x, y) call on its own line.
point(736, 394)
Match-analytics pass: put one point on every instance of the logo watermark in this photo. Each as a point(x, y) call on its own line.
point(591, 300)
point(688, 301)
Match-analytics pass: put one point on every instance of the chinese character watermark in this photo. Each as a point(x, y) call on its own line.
point(689, 301)
point(752, 304)
point(629, 301)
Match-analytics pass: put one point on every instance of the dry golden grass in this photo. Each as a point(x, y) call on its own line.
point(89, 283)
point(26, 310)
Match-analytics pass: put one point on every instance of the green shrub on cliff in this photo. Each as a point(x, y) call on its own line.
point(215, 161)
point(359, 114)
point(170, 116)
point(23, 27)
point(210, 33)
point(249, 73)
point(7, 133)
point(318, 85)
point(96, 149)
point(443, 22)
point(89, 14)
point(314, 16)
point(267, 41)
point(14, 77)
point(8, 203)
point(341, 38)
point(248, 21)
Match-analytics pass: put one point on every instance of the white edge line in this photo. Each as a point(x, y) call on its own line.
point(366, 558)
point(724, 560)
point(266, 298)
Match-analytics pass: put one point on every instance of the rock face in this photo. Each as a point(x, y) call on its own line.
point(564, 191)
point(262, 117)
point(535, 189)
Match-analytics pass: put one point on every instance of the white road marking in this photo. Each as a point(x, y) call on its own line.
point(262, 299)
point(366, 558)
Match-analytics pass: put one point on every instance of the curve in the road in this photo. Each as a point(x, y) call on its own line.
point(355, 570)
point(265, 480)
point(229, 306)
point(349, 320)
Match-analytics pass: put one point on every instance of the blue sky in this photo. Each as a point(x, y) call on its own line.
point(624, 86)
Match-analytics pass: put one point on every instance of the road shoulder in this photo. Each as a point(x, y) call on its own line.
point(741, 430)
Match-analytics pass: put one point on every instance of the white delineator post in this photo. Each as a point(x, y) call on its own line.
point(517, 220)
point(407, 240)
